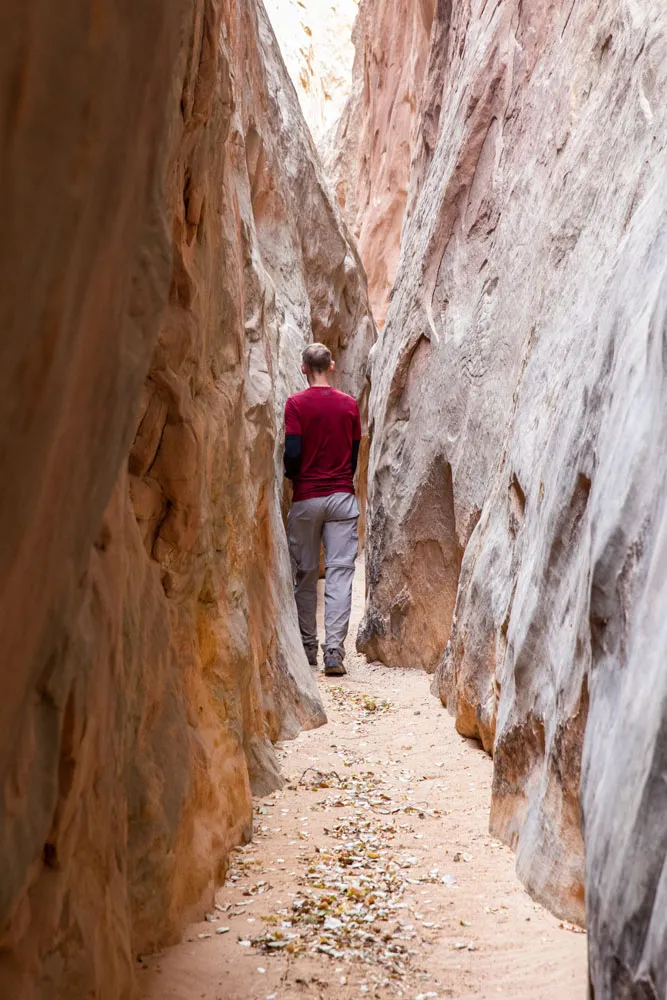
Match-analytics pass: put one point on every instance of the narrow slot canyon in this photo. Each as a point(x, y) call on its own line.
point(466, 205)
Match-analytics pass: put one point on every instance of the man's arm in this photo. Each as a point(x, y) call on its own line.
point(355, 455)
point(356, 439)
point(292, 456)
point(293, 443)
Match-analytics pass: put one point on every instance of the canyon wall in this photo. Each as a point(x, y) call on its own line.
point(168, 244)
point(316, 43)
point(517, 471)
point(369, 155)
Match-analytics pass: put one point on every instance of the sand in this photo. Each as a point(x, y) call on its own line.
point(416, 805)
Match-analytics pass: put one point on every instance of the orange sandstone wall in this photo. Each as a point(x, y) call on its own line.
point(152, 159)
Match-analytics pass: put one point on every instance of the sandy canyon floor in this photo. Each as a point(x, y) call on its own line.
point(372, 873)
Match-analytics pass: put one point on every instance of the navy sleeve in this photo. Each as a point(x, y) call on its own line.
point(292, 457)
point(355, 455)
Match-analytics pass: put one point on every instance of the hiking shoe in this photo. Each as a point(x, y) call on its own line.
point(333, 664)
point(311, 655)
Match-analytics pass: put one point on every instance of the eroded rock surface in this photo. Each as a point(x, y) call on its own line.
point(316, 42)
point(151, 235)
point(517, 412)
point(370, 153)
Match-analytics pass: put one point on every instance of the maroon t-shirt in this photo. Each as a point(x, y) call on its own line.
point(328, 422)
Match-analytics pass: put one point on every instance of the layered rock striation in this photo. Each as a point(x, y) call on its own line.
point(517, 467)
point(316, 42)
point(384, 125)
point(169, 246)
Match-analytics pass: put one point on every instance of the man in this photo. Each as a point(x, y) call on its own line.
point(322, 435)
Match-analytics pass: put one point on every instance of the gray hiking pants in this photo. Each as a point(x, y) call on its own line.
point(331, 519)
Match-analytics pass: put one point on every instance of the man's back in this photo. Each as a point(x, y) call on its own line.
point(327, 421)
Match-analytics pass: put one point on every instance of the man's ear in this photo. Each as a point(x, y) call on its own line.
point(304, 369)
point(332, 366)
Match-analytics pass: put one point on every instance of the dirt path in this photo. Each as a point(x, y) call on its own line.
point(372, 872)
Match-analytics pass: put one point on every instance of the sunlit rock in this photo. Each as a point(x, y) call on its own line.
point(517, 412)
point(169, 246)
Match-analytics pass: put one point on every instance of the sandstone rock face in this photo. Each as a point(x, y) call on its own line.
point(517, 415)
point(316, 42)
point(158, 285)
point(369, 155)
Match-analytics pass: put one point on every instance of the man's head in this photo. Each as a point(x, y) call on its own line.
point(317, 363)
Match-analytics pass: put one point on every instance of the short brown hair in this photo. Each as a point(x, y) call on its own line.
point(317, 358)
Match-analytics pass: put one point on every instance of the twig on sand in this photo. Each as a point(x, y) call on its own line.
point(321, 776)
